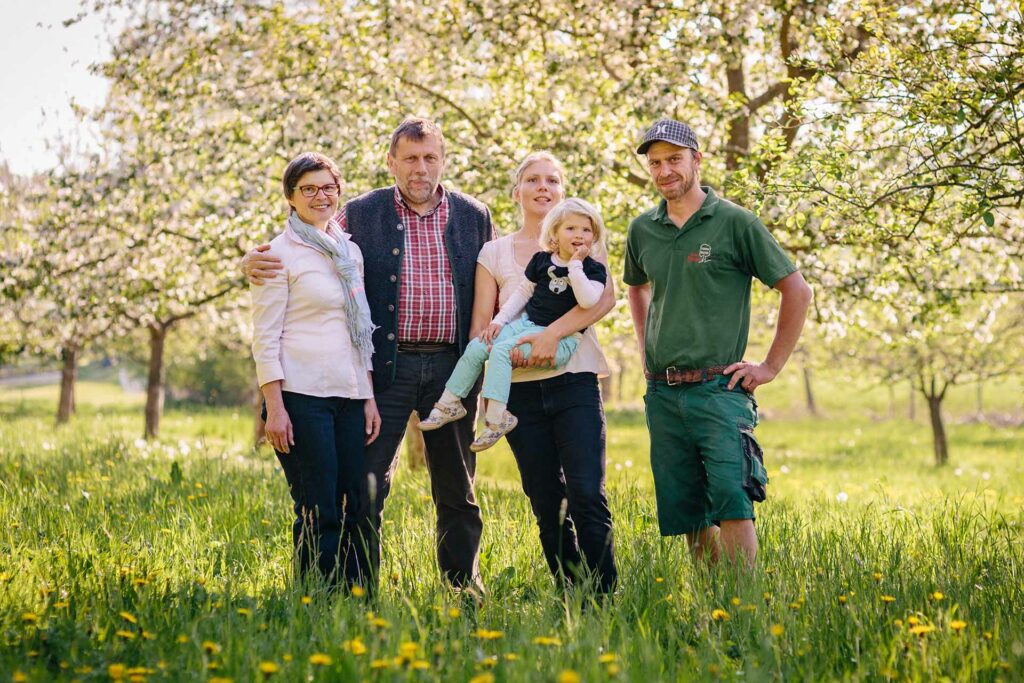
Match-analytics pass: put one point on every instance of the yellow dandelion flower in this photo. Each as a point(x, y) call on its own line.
point(6, 577)
point(211, 647)
point(60, 604)
point(777, 630)
point(958, 625)
point(613, 669)
point(898, 623)
point(913, 621)
point(550, 641)
point(736, 602)
point(140, 582)
point(454, 613)
point(19, 677)
point(511, 657)
point(244, 611)
point(356, 647)
point(658, 579)
point(182, 639)
point(380, 663)
point(287, 657)
point(719, 615)
point(937, 595)
point(378, 622)
point(987, 635)
point(877, 576)
point(305, 599)
point(116, 671)
point(83, 670)
point(795, 605)
point(842, 599)
point(922, 629)
point(269, 668)
point(140, 671)
point(148, 635)
point(607, 658)
point(486, 677)
point(485, 634)
point(668, 598)
point(357, 591)
point(30, 617)
point(320, 659)
point(408, 650)
point(767, 597)
point(420, 664)
point(127, 635)
point(568, 676)
point(888, 598)
point(213, 666)
point(220, 679)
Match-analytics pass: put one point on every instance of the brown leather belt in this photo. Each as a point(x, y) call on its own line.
point(673, 375)
point(425, 347)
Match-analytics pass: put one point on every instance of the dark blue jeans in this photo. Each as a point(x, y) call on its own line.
point(559, 447)
point(325, 478)
point(419, 381)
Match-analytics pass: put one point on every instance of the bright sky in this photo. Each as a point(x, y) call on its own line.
point(43, 66)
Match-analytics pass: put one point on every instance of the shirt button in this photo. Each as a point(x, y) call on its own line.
point(393, 278)
point(400, 226)
point(391, 307)
point(396, 251)
point(387, 363)
point(391, 336)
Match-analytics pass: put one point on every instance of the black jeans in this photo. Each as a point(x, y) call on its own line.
point(325, 477)
point(419, 381)
point(559, 446)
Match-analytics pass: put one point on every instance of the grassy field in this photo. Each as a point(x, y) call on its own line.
point(170, 560)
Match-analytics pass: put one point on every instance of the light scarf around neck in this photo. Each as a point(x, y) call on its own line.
point(357, 310)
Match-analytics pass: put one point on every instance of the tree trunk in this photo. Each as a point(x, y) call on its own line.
point(68, 375)
point(812, 408)
point(259, 431)
point(606, 388)
point(939, 441)
point(155, 380)
point(415, 448)
point(912, 412)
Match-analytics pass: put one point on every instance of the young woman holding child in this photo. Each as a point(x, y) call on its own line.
point(558, 438)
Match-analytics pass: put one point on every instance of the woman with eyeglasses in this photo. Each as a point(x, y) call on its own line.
point(312, 346)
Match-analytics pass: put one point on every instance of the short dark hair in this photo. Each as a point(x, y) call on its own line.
point(415, 128)
point(303, 164)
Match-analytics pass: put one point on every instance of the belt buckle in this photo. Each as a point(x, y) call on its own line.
point(669, 371)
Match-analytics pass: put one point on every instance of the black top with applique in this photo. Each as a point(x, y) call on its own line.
point(552, 295)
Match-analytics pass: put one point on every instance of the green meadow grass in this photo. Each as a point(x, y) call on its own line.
point(170, 560)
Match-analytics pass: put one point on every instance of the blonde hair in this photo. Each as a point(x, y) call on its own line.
point(572, 206)
point(532, 158)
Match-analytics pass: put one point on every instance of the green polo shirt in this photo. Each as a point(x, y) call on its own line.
point(700, 278)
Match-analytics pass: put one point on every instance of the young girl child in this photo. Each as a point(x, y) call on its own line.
point(558, 278)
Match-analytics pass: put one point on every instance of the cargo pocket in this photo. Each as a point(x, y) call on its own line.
point(755, 476)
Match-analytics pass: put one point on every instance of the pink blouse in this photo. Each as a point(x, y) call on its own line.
point(300, 333)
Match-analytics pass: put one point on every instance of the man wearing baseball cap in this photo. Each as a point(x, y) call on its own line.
point(689, 265)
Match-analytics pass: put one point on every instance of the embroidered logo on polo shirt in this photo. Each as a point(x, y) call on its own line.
point(703, 255)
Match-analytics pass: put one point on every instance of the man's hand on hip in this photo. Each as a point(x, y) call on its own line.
point(749, 375)
point(258, 266)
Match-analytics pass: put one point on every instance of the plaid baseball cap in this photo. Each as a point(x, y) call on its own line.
point(669, 130)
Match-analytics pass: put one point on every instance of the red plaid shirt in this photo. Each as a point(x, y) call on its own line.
point(426, 295)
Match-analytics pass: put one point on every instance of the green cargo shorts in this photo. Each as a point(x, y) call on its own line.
point(707, 465)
